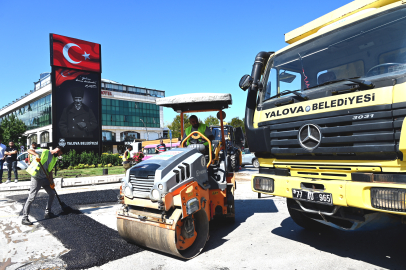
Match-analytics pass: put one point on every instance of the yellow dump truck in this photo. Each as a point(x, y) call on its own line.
point(325, 117)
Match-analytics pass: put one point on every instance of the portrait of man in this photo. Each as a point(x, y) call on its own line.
point(77, 119)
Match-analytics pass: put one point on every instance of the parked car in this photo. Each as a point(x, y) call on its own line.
point(149, 150)
point(21, 164)
point(249, 158)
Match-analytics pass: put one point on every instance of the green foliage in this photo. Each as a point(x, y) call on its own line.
point(12, 128)
point(70, 167)
point(72, 159)
point(69, 159)
point(237, 122)
point(99, 165)
point(211, 121)
point(175, 125)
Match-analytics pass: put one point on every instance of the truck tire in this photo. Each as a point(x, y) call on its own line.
point(302, 220)
point(255, 163)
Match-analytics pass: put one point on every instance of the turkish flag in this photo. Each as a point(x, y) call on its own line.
point(62, 75)
point(75, 53)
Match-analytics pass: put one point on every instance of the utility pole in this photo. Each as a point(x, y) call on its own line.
point(145, 129)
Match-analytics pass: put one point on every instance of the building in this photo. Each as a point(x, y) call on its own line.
point(128, 113)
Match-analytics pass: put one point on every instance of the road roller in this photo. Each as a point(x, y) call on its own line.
point(169, 200)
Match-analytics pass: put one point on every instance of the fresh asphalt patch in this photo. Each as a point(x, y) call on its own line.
point(90, 242)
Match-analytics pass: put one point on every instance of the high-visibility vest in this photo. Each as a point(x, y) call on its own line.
point(201, 129)
point(34, 167)
point(128, 155)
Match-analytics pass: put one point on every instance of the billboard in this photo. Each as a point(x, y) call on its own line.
point(76, 98)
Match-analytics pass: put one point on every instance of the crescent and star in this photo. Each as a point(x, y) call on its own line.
point(65, 52)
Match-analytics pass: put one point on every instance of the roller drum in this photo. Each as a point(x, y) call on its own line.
point(163, 239)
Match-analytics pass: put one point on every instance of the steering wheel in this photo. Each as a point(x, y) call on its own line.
point(198, 135)
point(372, 71)
point(195, 136)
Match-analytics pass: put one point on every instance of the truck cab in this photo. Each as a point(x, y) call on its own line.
point(325, 116)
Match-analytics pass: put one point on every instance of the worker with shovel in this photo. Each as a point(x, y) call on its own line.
point(41, 176)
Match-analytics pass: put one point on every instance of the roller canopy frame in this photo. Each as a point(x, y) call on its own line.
point(196, 102)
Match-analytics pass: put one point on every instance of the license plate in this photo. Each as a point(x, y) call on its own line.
point(317, 197)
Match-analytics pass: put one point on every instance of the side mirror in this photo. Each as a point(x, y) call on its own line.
point(245, 82)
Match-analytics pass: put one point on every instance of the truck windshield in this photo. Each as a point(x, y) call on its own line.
point(370, 48)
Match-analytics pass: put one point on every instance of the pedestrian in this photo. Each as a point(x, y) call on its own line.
point(39, 179)
point(161, 147)
point(11, 159)
point(2, 156)
point(127, 158)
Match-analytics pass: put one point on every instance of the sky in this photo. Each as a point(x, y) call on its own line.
point(176, 46)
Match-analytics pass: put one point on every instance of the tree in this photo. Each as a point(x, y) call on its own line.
point(12, 129)
point(175, 125)
point(211, 121)
point(237, 122)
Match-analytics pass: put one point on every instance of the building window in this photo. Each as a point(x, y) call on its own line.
point(129, 113)
point(129, 136)
point(45, 137)
point(31, 139)
point(36, 114)
point(108, 136)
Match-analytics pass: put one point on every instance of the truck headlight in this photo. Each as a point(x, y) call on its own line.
point(128, 192)
point(392, 199)
point(155, 194)
point(263, 184)
point(192, 206)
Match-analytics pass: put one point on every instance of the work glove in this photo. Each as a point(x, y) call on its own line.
point(38, 159)
point(52, 185)
point(82, 125)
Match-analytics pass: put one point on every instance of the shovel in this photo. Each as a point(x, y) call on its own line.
point(66, 209)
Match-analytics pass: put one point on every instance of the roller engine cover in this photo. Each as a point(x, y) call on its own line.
point(165, 172)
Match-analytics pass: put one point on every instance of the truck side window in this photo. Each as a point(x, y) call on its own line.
point(272, 85)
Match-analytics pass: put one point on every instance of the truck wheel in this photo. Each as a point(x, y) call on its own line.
point(303, 221)
point(255, 162)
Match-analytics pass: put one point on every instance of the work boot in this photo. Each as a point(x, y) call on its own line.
point(49, 215)
point(27, 222)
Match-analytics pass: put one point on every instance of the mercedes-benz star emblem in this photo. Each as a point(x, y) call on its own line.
point(309, 137)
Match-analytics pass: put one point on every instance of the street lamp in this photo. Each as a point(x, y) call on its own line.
point(145, 128)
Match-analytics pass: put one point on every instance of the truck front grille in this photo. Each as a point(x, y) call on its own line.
point(362, 133)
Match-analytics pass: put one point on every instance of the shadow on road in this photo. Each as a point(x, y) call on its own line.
point(381, 247)
point(90, 242)
point(244, 209)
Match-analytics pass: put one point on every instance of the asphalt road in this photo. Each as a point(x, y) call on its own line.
point(263, 237)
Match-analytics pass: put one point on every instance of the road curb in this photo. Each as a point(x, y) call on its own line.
point(66, 182)
point(87, 181)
